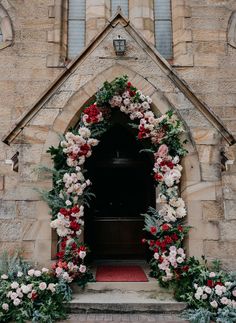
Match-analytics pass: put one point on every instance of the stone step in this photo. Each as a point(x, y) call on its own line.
point(124, 302)
point(150, 286)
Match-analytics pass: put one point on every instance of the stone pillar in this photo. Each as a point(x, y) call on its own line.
point(141, 15)
point(97, 14)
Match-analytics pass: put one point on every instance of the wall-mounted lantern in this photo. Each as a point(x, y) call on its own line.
point(119, 45)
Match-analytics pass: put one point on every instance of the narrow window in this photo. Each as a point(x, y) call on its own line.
point(163, 27)
point(124, 4)
point(76, 27)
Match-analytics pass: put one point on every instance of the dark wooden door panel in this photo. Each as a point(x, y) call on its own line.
point(118, 238)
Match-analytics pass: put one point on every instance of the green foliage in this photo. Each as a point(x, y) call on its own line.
point(12, 264)
point(200, 315)
point(109, 89)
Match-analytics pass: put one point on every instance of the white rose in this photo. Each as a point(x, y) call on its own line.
point(19, 274)
point(204, 296)
point(84, 132)
point(197, 296)
point(224, 301)
point(16, 301)
point(234, 292)
point(14, 285)
point(51, 287)
point(68, 202)
point(212, 274)
point(208, 290)
point(156, 256)
point(82, 254)
point(59, 270)
point(5, 306)
point(4, 276)
point(82, 269)
point(37, 273)
point(25, 289)
point(179, 260)
point(45, 270)
point(31, 272)
point(42, 286)
point(13, 296)
point(214, 304)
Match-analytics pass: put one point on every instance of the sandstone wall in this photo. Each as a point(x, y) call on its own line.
point(202, 58)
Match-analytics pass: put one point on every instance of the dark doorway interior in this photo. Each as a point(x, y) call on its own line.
point(124, 189)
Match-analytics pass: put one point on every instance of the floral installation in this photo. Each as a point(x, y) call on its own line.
point(166, 228)
point(28, 294)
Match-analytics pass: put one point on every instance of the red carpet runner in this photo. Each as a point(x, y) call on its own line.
point(120, 274)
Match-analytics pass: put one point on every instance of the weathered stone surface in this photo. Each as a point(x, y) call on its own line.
point(211, 172)
point(10, 230)
point(230, 209)
point(7, 209)
point(229, 186)
point(227, 230)
point(212, 210)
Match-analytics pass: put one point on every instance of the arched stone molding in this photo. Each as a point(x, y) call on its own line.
point(231, 32)
point(195, 189)
point(5, 28)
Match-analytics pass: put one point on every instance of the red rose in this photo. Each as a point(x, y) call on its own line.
point(165, 227)
point(75, 209)
point(84, 149)
point(73, 246)
point(143, 241)
point(180, 228)
point(158, 177)
point(210, 283)
point(174, 236)
point(34, 296)
point(185, 268)
point(151, 243)
point(129, 84)
point(63, 244)
point(63, 211)
point(60, 254)
point(168, 239)
point(219, 283)
point(74, 225)
point(153, 230)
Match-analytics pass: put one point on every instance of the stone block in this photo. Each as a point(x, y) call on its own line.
point(203, 191)
point(27, 209)
point(210, 172)
point(230, 209)
point(229, 186)
point(220, 249)
point(7, 210)
point(212, 210)
point(227, 230)
point(10, 230)
point(191, 171)
point(205, 136)
point(208, 154)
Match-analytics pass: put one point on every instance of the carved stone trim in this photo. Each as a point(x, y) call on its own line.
point(231, 32)
point(182, 36)
point(58, 35)
point(6, 28)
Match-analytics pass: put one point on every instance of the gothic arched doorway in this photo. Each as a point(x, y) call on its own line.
point(124, 189)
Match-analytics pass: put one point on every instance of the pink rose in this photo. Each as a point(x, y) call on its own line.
point(162, 151)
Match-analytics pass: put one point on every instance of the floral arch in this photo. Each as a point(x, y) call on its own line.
point(191, 281)
point(71, 189)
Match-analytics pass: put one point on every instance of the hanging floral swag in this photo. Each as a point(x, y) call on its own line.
point(213, 292)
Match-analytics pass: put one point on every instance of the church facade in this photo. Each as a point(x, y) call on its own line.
point(55, 55)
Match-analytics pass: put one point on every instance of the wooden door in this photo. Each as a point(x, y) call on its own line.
point(124, 189)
